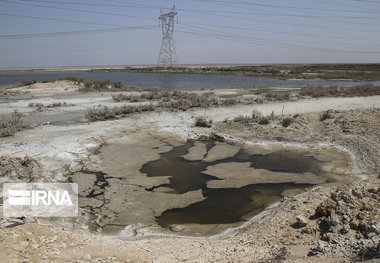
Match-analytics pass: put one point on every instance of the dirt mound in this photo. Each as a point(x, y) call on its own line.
point(19, 169)
point(348, 223)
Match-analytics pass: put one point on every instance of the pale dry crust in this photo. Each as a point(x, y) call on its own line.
point(196, 152)
point(237, 175)
point(260, 240)
point(221, 151)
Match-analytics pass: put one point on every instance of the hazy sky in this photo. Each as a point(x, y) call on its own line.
point(40, 33)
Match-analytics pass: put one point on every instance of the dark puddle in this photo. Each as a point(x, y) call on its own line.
point(228, 205)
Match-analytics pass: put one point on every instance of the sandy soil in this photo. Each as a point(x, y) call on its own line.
point(66, 144)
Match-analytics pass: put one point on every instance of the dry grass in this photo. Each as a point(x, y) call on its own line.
point(170, 96)
point(255, 117)
point(101, 86)
point(170, 101)
point(229, 102)
point(41, 106)
point(10, 124)
point(325, 115)
point(106, 113)
point(277, 96)
point(333, 91)
point(203, 122)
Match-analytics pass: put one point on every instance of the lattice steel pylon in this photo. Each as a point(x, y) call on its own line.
point(168, 55)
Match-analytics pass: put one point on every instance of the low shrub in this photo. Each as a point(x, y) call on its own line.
point(10, 124)
point(243, 119)
point(256, 115)
point(76, 80)
point(286, 122)
point(202, 122)
point(264, 121)
point(106, 113)
point(107, 85)
point(277, 96)
point(40, 105)
point(333, 91)
point(121, 97)
point(28, 82)
point(326, 115)
point(47, 81)
point(229, 102)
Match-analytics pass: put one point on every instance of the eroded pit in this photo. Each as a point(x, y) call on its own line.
point(198, 188)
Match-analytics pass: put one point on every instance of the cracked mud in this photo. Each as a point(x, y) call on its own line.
point(196, 188)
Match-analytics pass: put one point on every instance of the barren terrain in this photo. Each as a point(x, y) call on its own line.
point(337, 222)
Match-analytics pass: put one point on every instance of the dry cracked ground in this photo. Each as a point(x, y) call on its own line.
point(334, 222)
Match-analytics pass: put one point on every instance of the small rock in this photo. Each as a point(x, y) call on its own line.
point(177, 228)
point(375, 228)
point(356, 193)
point(87, 257)
point(354, 224)
point(332, 220)
point(345, 229)
point(325, 208)
point(363, 226)
point(301, 221)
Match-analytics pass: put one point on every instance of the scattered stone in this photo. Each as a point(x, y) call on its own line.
point(325, 208)
point(374, 228)
point(301, 221)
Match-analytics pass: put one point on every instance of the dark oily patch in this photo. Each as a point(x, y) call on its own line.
point(236, 187)
point(224, 206)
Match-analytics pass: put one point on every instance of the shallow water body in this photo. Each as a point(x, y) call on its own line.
point(175, 81)
point(226, 205)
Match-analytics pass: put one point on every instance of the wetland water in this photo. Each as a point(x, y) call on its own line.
point(175, 81)
point(227, 205)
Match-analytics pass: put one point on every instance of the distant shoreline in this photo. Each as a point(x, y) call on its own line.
point(344, 72)
point(129, 67)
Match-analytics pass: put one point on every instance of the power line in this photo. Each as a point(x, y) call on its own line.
point(368, 1)
point(78, 32)
point(279, 32)
point(287, 23)
point(79, 10)
point(229, 36)
point(289, 7)
point(326, 18)
point(208, 12)
point(342, 4)
point(189, 23)
point(133, 5)
point(57, 19)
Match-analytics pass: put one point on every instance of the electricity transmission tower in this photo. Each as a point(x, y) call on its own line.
point(168, 55)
